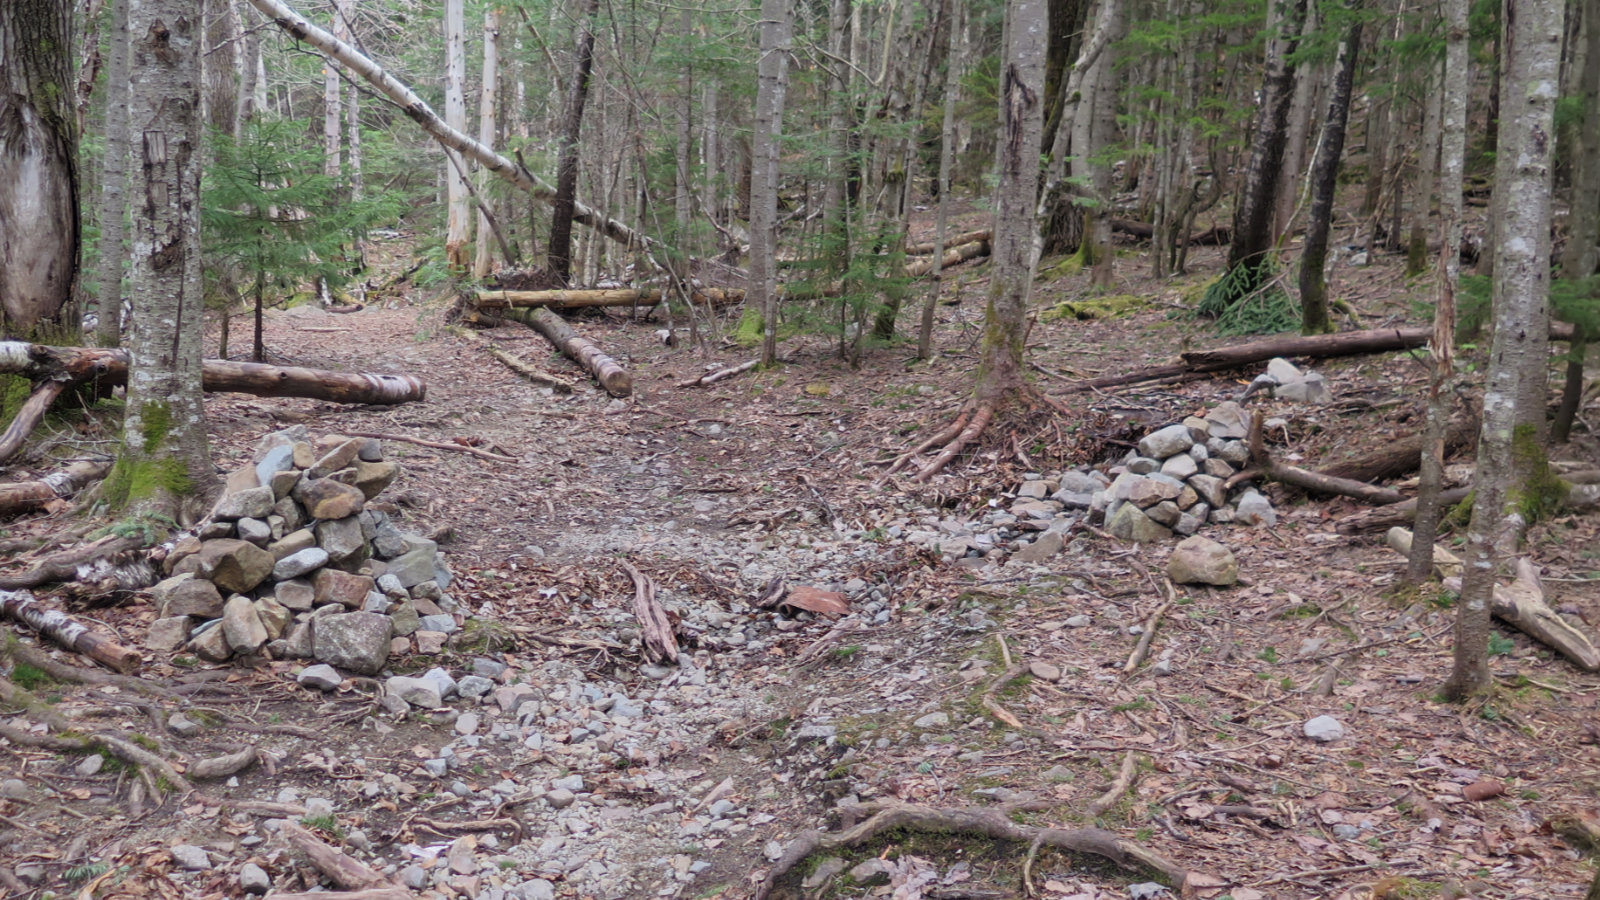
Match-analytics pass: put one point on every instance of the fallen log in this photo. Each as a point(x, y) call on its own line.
point(720, 374)
point(64, 630)
point(1314, 482)
point(955, 256)
point(578, 299)
point(1521, 605)
point(611, 375)
point(1383, 518)
point(29, 416)
point(1215, 236)
point(955, 240)
point(1403, 456)
point(110, 367)
point(23, 496)
point(516, 363)
point(1316, 346)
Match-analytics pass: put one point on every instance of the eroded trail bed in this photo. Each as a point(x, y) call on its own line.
point(580, 771)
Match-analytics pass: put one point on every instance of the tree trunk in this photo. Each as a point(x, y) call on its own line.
point(1441, 346)
point(952, 87)
point(611, 375)
point(1532, 45)
point(333, 106)
point(1252, 222)
point(165, 463)
point(1427, 165)
point(488, 107)
point(38, 170)
point(1324, 184)
point(559, 254)
point(1301, 116)
point(1103, 126)
point(772, 83)
point(458, 226)
point(1011, 280)
point(113, 183)
point(1579, 258)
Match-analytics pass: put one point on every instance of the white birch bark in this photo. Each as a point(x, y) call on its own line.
point(458, 227)
point(333, 104)
point(113, 183)
point(488, 108)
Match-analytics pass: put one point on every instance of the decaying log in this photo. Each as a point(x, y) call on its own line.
point(577, 299)
point(1521, 605)
point(955, 240)
point(1445, 563)
point(720, 374)
point(516, 363)
point(991, 822)
point(29, 416)
point(955, 256)
point(1402, 456)
point(225, 765)
point(61, 628)
point(1314, 482)
point(110, 367)
point(611, 375)
point(1316, 346)
point(23, 496)
point(659, 642)
point(1215, 236)
point(113, 561)
point(1385, 517)
point(343, 870)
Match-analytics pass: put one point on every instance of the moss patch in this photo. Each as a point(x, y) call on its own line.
point(1096, 308)
point(134, 480)
point(14, 391)
point(749, 331)
point(157, 419)
point(1541, 492)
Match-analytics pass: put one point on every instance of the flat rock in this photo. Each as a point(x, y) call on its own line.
point(1046, 546)
point(301, 563)
point(334, 586)
point(415, 691)
point(373, 477)
point(413, 567)
point(1045, 671)
point(933, 720)
point(1255, 509)
point(357, 641)
point(296, 594)
point(1283, 371)
point(1151, 489)
point(275, 617)
point(321, 676)
point(1165, 442)
point(342, 538)
point(324, 498)
point(187, 595)
point(1129, 523)
point(1180, 467)
point(167, 634)
point(340, 456)
point(252, 502)
point(1200, 560)
point(191, 858)
point(1228, 420)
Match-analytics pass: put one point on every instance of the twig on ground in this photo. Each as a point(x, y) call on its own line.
point(1118, 787)
point(435, 445)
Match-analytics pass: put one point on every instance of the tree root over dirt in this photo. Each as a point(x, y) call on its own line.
point(992, 822)
point(969, 425)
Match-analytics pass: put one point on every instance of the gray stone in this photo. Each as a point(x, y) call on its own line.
point(1143, 465)
point(251, 503)
point(282, 487)
point(1255, 509)
point(387, 541)
point(1235, 452)
point(560, 798)
point(342, 538)
point(1081, 482)
point(191, 858)
point(415, 691)
point(298, 645)
point(443, 623)
point(1313, 389)
point(1045, 671)
point(1218, 468)
point(413, 567)
point(376, 603)
point(1165, 513)
point(532, 889)
point(1153, 489)
point(167, 634)
point(1283, 371)
point(256, 531)
point(274, 460)
point(373, 477)
point(467, 723)
point(1199, 428)
point(404, 616)
point(275, 617)
point(209, 642)
point(1199, 453)
point(253, 879)
point(357, 641)
point(337, 458)
point(1181, 466)
point(242, 626)
point(474, 686)
point(90, 766)
point(933, 720)
point(872, 872)
point(1166, 442)
point(233, 565)
point(292, 543)
point(1228, 420)
point(371, 450)
point(1046, 546)
point(296, 594)
point(427, 590)
point(1325, 729)
point(300, 563)
point(1200, 560)
point(324, 498)
point(488, 668)
point(1192, 519)
point(321, 676)
point(14, 789)
point(1210, 488)
point(441, 680)
point(1129, 523)
point(416, 878)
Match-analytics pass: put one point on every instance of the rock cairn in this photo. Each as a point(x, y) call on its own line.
point(294, 563)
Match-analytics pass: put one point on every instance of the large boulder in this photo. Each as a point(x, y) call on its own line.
point(1131, 524)
point(1165, 442)
point(242, 625)
point(1200, 560)
point(358, 641)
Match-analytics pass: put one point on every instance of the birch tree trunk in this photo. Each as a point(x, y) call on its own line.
point(488, 108)
point(1441, 348)
point(772, 80)
point(113, 183)
point(1103, 125)
point(1579, 259)
point(165, 464)
point(458, 226)
point(1324, 184)
point(1519, 352)
point(559, 254)
point(1301, 116)
point(39, 227)
point(333, 105)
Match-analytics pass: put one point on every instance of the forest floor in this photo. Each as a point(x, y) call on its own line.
point(773, 725)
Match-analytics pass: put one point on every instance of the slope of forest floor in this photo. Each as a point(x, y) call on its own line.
point(772, 723)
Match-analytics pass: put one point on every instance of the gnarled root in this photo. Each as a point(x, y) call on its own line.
point(991, 822)
point(969, 434)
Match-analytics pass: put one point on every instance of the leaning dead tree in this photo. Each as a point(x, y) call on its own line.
point(420, 112)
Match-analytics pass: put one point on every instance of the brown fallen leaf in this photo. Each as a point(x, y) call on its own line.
point(810, 599)
point(1483, 789)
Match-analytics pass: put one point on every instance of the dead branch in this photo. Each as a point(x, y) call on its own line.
point(1141, 651)
point(991, 822)
point(28, 417)
point(1124, 780)
point(343, 870)
point(64, 630)
point(436, 445)
point(660, 644)
point(22, 496)
point(1312, 481)
point(1385, 517)
point(589, 299)
point(440, 826)
point(516, 363)
point(1402, 455)
point(1521, 605)
point(720, 374)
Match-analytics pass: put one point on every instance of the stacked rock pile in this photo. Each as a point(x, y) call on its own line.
point(294, 563)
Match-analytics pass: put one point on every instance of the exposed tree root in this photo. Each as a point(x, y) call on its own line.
point(969, 434)
point(71, 674)
point(969, 426)
point(991, 822)
point(29, 416)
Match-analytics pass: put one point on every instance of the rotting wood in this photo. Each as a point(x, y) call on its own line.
point(1521, 605)
point(954, 256)
point(110, 368)
point(659, 642)
point(719, 375)
point(517, 364)
point(1118, 787)
point(64, 630)
point(1383, 518)
point(1312, 481)
point(28, 417)
point(109, 561)
point(611, 375)
point(954, 240)
point(1402, 455)
point(24, 496)
point(343, 870)
point(586, 299)
point(992, 822)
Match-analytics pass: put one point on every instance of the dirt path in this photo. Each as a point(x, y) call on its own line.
point(586, 774)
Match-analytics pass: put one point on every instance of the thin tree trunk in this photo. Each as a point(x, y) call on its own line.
point(1579, 259)
point(488, 107)
point(333, 106)
point(1324, 184)
point(165, 464)
point(1519, 352)
point(1103, 116)
point(772, 83)
point(952, 89)
point(458, 227)
point(559, 254)
point(39, 228)
point(1427, 165)
point(1441, 348)
point(113, 182)
point(1301, 115)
